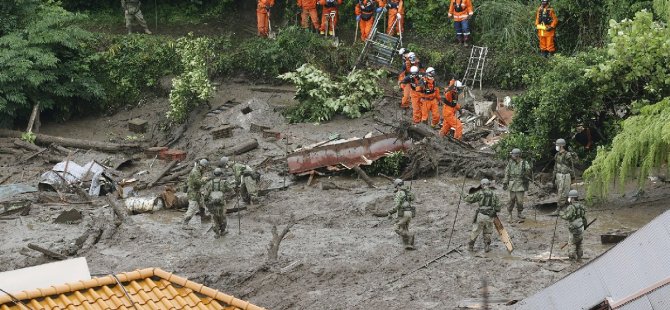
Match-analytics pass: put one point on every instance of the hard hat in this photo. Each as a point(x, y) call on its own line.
point(204, 162)
point(573, 193)
point(485, 182)
point(430, 71)
point(402, 51)
point(560, 142)
point(414, 69)
point(398, 182)
point(218, 171)
point(411, 55)
point(458, 84)
point(545, 1)
point(248, 170)
point(515, 152)
point(223, 162)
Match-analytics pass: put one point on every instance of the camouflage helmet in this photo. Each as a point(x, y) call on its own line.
point(560, 142)
point(573, 193)
point(223, 162)
point(515, 152)
point(218, 171)
point(484, 182)
point(204, 162)
point(398, 182)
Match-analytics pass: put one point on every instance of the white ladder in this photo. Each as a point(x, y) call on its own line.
point(475, 70)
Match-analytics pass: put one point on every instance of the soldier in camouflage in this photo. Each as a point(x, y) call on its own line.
point(404, 213)
point(564, 172)
point(131, 9)
point(215, 192)
point(489, 206)
point(194, 183)
point(517, 176)
point(575, 215)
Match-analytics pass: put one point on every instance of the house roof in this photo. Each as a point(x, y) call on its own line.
point(633, 275)
point(150, 288)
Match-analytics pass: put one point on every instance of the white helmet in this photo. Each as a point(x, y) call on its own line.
point(402, 51)
point(430, 71)
point(411, 56)
point(414, 70)
point(458, 84)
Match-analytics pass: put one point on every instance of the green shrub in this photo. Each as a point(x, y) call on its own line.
point(391, 165)
point(320, 98)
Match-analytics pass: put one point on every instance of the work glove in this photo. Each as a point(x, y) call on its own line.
point(267, 8)
point(358, 18)
point(378, 10)
point(398, 16)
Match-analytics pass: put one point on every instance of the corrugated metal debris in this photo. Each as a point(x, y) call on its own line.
point(633, 275)
point(344, 153)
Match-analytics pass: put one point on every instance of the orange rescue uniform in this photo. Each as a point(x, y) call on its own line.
point(406, 89)
point(308, 8)
point(449, 119)
point(430, 97)
point(366, 10)
point(465, 10)
point(546, 22)
point(263, 16)
point(395, 7)
point(414, 83)
point(329, 7)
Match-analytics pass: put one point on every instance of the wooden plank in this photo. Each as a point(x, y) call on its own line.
point(504, 236)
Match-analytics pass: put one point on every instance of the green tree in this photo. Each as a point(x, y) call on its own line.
point(44, 59)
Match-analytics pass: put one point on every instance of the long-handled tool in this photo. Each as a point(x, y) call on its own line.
point(460, 197)
point(356, 33)
point(399, 28)
point(271, 34)
point(553, 239)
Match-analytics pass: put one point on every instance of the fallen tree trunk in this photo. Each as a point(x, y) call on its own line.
point(75, 143)
point(174, 176)
point(241, 148)
point(46, 252)
point(28, 146)
point(163, 173)
point(364, 176)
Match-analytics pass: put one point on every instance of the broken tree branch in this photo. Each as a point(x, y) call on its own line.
point(163, 173)
point(46, 252)
point(75, 143)
point(364, 176)
point(273, 246)
point(28, 146)
point(118, 211)
point(241, 148)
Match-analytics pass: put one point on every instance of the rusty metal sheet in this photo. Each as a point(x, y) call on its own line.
point(349, 153)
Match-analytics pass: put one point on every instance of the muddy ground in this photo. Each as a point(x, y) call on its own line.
point(342, 256)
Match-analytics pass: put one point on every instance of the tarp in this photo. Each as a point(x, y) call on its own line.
point(11, 190)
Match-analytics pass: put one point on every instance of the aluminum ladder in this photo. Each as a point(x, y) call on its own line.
point(380, 49)
point(475, 70)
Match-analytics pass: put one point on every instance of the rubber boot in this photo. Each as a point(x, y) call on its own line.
point(471, 246)
point(487, 247)
point(465, 41)
point(509, 211)
point(520, 216)
point(410, 243)
point(147, 31)
point(459, 38)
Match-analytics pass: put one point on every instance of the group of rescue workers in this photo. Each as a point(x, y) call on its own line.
point(460, 11)
point(518, 175)
point(213, 192)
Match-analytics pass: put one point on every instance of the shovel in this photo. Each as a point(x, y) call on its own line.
point(336, 40)
point(271, 34)
point(356, 33)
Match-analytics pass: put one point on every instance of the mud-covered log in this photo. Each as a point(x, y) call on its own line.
point(163, 173)
point(28, 146)
point(175, 176)
point(59, 148)
point(364, 176)
point(241, 148)
point(120, 212)
point(273, 246)
point(46, 252)
point(75, 143)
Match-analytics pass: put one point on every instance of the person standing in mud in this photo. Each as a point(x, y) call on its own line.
point(194, 183)
point(575, 215)
point(564, 172)
point(489, 206)
point(246, 179)
point(404, 213)
point(214, 192)
point(517, 176)
point(131, 9)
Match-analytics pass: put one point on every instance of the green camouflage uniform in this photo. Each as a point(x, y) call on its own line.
point(404, 212)
point(215, 192)
point(563, 174)
point(489, 206)
point(575, 215)
point(246, 180)
point(132, 12)
point(517, 176)
point(195, 202)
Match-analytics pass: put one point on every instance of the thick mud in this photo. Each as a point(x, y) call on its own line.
point(338, 255)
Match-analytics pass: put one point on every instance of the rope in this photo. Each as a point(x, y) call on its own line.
point(15, 300)
point(132, 302)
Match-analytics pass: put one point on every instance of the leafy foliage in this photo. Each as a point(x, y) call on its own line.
point(391, 165)
point(29, 137)
point(320, 98)
point(192, 87)
point(642, 145)
point(662, 9)
point(45, 59)
point(507, 25)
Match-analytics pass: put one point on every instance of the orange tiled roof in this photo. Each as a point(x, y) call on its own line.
point(150, 288)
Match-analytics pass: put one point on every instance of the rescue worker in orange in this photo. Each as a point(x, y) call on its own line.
point(414, 81)
point(546, 22)
point(409, 59)
point(307, 11)
point(461, 11)
point(430, 98)
point(329, 9)
point(396, 20)
point(365, 15)
point(449, 119)
point(263, 15)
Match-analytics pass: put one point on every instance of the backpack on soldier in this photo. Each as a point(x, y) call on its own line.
point(216, 196)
